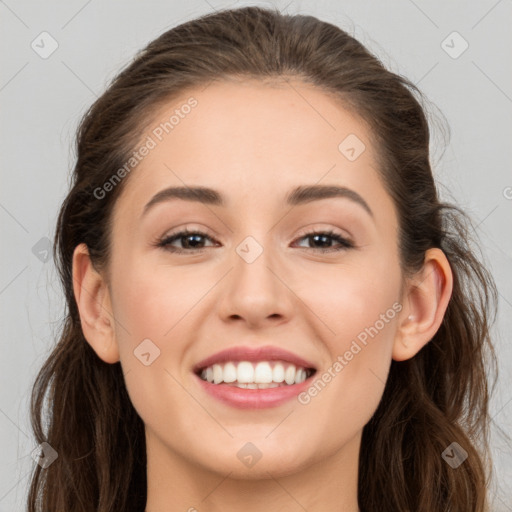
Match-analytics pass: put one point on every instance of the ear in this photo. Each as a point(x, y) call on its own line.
point(93, 300)
point(425, 299)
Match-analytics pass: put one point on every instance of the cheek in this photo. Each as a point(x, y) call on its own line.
point(154, 298)
point(152, 304)
point(352, 299)
point(360, 309)
point(359, 305)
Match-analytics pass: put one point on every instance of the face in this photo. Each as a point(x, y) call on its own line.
point(262, 268)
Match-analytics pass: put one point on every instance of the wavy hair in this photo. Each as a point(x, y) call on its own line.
point(80, 405)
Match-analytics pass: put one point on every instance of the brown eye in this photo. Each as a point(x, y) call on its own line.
point(193, 241)
point(326, 237)
point(190, 240)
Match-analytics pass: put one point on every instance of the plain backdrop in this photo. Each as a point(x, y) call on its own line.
point(458, 52)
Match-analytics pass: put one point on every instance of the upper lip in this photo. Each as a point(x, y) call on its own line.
point(241, 353)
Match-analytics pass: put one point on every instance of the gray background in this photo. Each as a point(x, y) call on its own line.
point(43, 99)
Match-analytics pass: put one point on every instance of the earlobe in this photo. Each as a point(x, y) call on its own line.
point(93, 301)
point(426, 299)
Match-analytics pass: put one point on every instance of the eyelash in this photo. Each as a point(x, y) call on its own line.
point(164, 243)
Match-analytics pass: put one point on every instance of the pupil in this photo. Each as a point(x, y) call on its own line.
point(316, 237)
point(192, 237)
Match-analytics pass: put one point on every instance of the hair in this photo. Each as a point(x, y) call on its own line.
point(438, 397)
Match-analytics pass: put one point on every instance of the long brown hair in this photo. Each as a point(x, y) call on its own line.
point(438, 397)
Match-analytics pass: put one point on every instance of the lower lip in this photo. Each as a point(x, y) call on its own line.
point(253, 398)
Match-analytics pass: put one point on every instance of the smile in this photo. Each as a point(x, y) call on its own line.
point(255, 375)
point(247, 377)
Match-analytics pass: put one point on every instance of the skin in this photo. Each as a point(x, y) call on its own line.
point(253, 142)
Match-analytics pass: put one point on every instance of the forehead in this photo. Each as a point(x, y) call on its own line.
point(254, 140)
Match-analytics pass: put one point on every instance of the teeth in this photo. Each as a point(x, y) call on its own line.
point(229, 372)
point(278, 373)
point(256, 386)
point(245, 372)
point(217, 373)
point(261, 375)
point(289, 375)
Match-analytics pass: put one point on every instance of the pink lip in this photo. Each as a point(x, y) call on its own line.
point(241, 353)
point(253, 398)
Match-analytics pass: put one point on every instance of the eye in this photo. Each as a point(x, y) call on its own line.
point(191, 242)
point(191, 239)
point(323, 237)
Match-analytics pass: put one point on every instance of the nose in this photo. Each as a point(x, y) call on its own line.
point(255, 292)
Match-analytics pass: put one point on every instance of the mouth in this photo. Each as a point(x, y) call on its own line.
point(255, 378)
point(255, 375)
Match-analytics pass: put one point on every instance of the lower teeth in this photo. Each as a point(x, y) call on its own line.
point(251, 385)
point(254, 385)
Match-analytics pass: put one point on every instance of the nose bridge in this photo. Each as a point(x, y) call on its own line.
point(255, 252)
point(253, 261)
point(253, 291)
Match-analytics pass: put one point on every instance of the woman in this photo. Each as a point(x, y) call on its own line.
point(269, 308)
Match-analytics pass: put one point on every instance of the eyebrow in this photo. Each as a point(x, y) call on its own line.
point(299, 195)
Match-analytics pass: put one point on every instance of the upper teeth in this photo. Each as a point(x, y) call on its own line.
point(263, 372)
